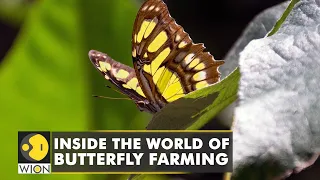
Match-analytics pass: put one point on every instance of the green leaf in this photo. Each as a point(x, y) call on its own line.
point(283, 17)
point(147, 177)
point(41, 80)
point(47, 80)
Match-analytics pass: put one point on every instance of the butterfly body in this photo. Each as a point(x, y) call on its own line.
point(167, 64)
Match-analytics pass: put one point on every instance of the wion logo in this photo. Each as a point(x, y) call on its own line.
point(34, 153)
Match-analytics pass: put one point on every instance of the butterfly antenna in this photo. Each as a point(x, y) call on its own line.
point(114, 90)
point(111, 98)
point(105, 97)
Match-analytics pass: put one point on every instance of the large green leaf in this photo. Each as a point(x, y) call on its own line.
point(40, 84)
point(47, 80)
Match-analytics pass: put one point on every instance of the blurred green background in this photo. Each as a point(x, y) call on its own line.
point(47, 80)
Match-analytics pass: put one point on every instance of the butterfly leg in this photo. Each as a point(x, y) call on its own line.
point(145, 105)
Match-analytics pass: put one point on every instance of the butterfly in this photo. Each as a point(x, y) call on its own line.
point(167, 64)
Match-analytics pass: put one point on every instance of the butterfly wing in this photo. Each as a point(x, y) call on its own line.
point(122, 76)
point(168, 64)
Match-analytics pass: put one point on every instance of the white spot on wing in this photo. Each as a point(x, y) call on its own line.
point(144, 8)
point(151, 7)
point(188, 58)
point(200, 76)
point(178, 38)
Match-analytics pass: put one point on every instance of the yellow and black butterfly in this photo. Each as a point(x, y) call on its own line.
point(167, 64)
